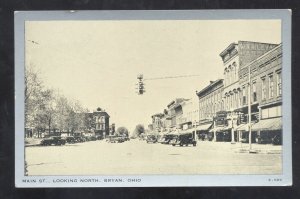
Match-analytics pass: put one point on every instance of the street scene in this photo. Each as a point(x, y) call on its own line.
point(153, 97)
point(138, 157)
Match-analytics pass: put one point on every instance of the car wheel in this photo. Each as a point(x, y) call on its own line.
point(180, 144)
point(173, 144)
point(194, 144)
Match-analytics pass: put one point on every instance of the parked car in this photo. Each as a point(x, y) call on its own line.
point(79, 139)
point(151, 139)
point(276, 140)
point(53, 140)
point(70, 140)
point(168, 138)
point(116, 139)
point(183, 139)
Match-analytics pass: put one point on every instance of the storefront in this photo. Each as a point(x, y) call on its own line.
point(268, 130)
point(203, 131)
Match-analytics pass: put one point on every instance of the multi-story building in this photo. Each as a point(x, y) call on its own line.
point(235, 57)
point(101, 125)
point(210, 102)
point(190, 114)
point(265, 94)
point(175, 112)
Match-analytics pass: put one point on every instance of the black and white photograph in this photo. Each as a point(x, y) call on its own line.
point(153, 97)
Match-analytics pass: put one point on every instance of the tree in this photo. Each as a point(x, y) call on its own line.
point(33, 95)
point(139, 129)
point(122, 131)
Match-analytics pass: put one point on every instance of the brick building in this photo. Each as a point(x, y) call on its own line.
point(266, 94)
point(210, 102)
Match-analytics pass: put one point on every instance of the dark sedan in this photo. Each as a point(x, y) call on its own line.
point(53, 140)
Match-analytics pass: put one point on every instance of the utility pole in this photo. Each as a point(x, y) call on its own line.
point(249, 108)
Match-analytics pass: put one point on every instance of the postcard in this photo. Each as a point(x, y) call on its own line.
point(153, 98)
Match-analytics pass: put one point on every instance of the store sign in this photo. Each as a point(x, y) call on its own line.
point(221, 118)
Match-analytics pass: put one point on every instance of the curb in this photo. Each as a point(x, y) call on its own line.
point(259, 151)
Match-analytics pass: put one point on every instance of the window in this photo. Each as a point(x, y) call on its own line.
point(263, 94)
point(279, 88)
point(271, 86)
point(254, 92)
point(244, 96)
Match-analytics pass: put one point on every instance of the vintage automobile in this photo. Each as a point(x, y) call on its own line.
point(151, 139)
point(79, 139)
point(53, 140)
point(183, 139)
point(70, 140)
point(116, 139)
point(276, 140)
point(168, 138)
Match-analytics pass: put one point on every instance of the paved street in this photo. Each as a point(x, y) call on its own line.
point(138, 157)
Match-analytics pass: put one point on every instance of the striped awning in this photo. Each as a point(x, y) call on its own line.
point(203, 127)
point(268, 124)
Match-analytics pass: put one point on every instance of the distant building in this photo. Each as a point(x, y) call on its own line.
point(190, 114)
point(112, 129)
point(174, 112)
point(101, 125)
point(157, 124)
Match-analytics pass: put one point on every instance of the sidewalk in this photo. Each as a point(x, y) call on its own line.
point(259, 148)
point(240, 147)
point(32, 141)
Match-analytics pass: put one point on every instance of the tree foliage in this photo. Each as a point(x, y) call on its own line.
point(139, 129)
point(46, 109)
point(122, 131)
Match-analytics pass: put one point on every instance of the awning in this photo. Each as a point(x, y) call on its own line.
point(241, 127)
point(217, 129)
point(203, 127)
point(268, 124)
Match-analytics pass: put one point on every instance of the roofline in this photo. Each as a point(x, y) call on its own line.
point(210, 85)
point(228, 48)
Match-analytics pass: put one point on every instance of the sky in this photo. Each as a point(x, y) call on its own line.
point(97, 62)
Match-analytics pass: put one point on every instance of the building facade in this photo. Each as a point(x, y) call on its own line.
point(210, 102)
point(234, 58)
point(265, 94)
point(175, 112)
point(157, 124)
point(101, 124)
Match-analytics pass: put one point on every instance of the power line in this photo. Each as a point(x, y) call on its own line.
point(170, 77)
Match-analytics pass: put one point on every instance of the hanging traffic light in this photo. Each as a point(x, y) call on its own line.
point(140, 84)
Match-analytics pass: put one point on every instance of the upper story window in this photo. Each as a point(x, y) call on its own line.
point(271, 86)
point(279, 84)
point(235, 71)
point(254, 92)
point(264, 89)
point(244, 96)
